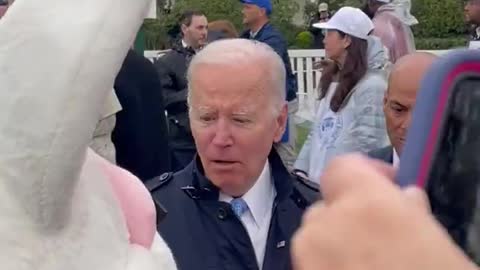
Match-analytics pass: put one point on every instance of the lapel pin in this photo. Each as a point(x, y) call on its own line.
point(281, 244)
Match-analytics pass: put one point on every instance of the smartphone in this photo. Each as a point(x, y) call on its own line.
point(442, 151)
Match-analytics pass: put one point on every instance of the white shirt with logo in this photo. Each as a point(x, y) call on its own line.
point(326, 130)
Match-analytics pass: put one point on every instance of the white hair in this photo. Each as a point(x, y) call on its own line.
point(244, 51)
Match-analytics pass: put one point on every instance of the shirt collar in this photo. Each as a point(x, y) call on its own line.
point(254, 34)
point(260, 197)
point(396, 159)
point(477, 33)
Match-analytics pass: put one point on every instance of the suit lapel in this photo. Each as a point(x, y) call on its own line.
point(235, 236)
point(385, 154)
point(389, 154)
point(285, 220)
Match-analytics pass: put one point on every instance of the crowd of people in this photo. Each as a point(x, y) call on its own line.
point(209, 130)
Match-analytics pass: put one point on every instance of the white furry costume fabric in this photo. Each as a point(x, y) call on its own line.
point(58, 210)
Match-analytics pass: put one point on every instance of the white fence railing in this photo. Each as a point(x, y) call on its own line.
point(307, 77)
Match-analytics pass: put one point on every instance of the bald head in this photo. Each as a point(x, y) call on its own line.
point(409, 70)
point(403, 85)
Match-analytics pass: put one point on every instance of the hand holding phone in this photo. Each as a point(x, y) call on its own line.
point(442, 152)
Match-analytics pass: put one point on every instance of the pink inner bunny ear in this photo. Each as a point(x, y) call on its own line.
point(136, 203)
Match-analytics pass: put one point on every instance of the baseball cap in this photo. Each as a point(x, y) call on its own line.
point(323, 7)
point(349, 20)
point(266, 4)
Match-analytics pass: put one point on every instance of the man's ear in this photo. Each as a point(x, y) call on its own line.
point(281, 123)
point(263, 11)
point(385, 101)
point(183, 28)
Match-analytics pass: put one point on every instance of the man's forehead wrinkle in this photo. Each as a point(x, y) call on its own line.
point(244, 109)
point(253, 90)
point(202, 108)
point(239, 110)
point(256, 64)
point(207, 96)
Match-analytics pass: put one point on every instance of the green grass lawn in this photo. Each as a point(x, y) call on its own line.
point(302, 133)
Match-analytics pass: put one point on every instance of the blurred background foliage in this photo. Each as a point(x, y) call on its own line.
point(441, 21)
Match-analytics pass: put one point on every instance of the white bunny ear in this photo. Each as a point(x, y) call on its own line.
point(58, 60)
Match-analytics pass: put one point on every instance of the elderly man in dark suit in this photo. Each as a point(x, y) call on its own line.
point(404, 82)
point(235, 206)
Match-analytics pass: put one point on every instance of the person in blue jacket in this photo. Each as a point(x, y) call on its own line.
point(256, 18)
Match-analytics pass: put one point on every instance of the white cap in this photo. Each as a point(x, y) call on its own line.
point(323, 7)
point(349, 20)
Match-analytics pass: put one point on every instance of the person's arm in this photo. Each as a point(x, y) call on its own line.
point(302, 164)
point(384, 30)
point(278, 44)
point(367, 130)
point(395, 36)
point(399, 36)
point(171, 94)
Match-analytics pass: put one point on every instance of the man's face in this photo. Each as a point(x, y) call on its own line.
point(196, 33)
point(324, 16)
point(233, 123)
point(472, 11)
point(251, 13)
point(398, 107)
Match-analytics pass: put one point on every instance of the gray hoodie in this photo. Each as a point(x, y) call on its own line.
point(358, 127)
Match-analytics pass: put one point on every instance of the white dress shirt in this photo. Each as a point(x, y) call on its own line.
point(396, 159)
point(256, 220)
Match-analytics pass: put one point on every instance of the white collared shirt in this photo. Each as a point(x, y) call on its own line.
point(256, 221)
point(396, 159)
point(254, 34)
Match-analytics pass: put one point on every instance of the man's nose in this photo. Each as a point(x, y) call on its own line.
point(223, 134)
point(407, 121)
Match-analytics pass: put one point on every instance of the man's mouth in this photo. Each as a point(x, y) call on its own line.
point(224, 162)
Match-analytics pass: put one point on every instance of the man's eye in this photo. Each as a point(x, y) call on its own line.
point(398, 109)
point(207, 118)
point(242, 120)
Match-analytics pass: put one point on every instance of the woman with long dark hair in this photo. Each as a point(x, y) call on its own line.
point(350, 116)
